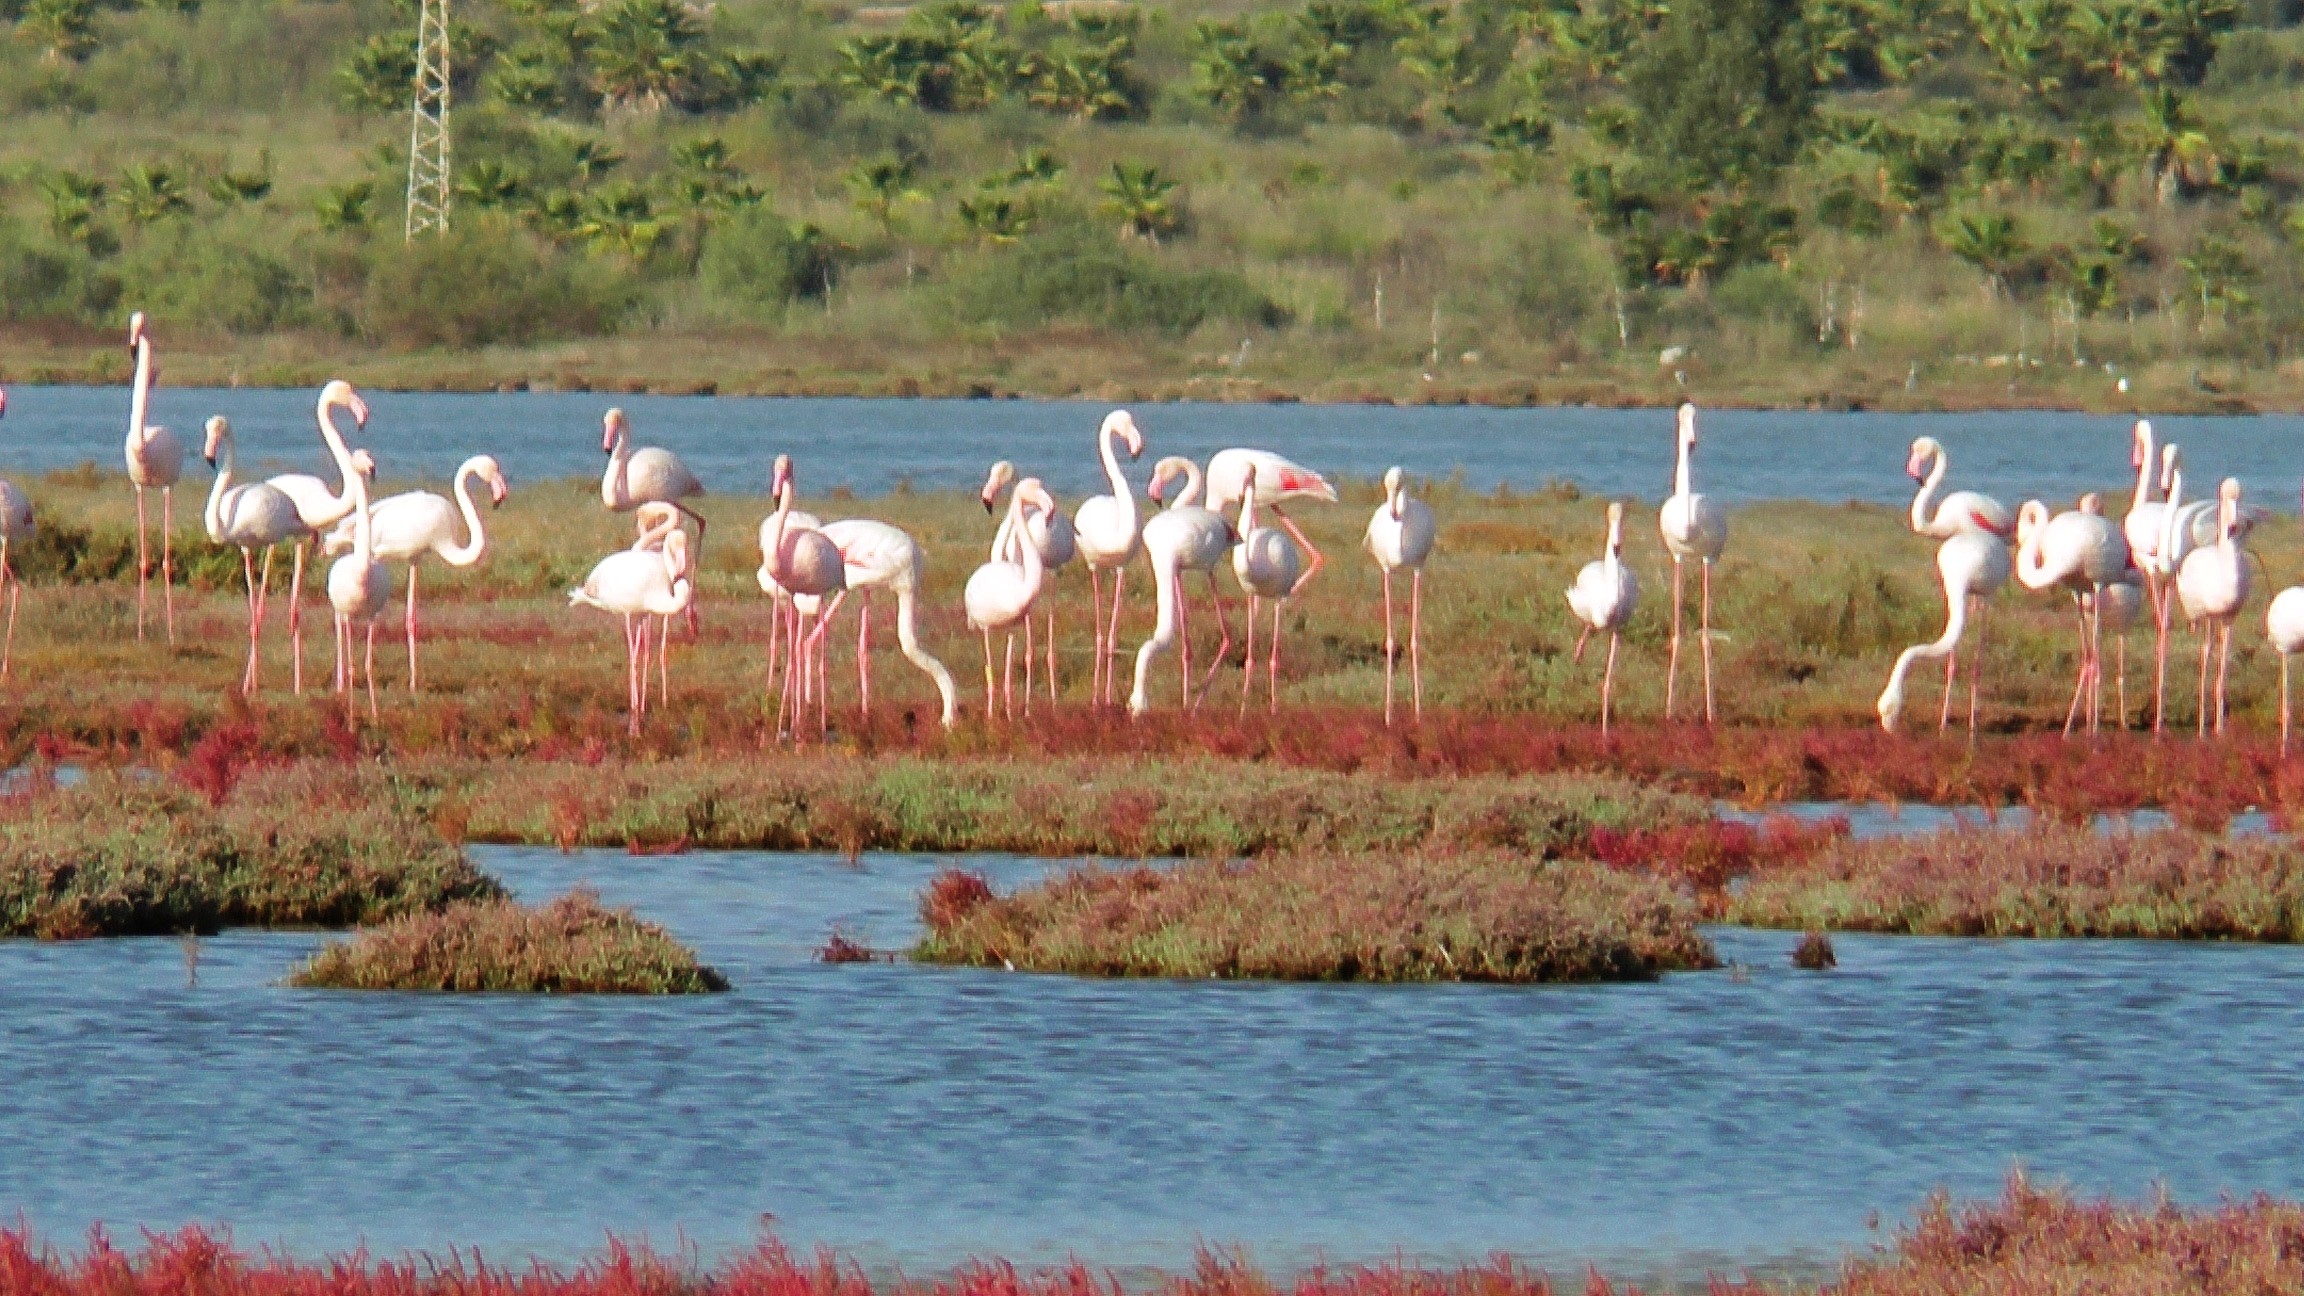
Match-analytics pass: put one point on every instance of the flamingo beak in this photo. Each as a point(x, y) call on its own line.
point(986, 501)
point(359, 408)
point(496, 493)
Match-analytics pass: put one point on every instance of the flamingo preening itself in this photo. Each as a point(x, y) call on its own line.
point(803, 562)
point(15, 528)
point(155, 462)
point(359, 585)
point(1109, 532)
point(1276, 481)
point(1183, 537)
point(1972, 564)
point(1000, 593)
point(637, 584)
point(646, 475)
point(1267, 564)
point(1603, 598)
point(317, 507)
point(1959, 511)
point(1400, 535)
point(1048, 531)
point(255, 516)
point(407, 526)
point(876, 556)
point(1693, 527)
point(2082, 553)
point(2213, 586)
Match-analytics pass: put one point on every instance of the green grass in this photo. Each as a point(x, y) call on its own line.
point(573, 945)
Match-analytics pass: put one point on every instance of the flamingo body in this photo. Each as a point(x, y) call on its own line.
point(1961, 510)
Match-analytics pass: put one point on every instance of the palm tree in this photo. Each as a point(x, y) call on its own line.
point(1231, 73)
point(491, 184)
point(150, 192)
point(2180, 158)
point(644, 53)
point(2220, 274)
point(1138, 194)
point(345, 206)
point(1991, 242)
point(73, 200)
point(880, 184)
point(996, 218)
point(228, 186)
point(65, 30)
point(622, 218)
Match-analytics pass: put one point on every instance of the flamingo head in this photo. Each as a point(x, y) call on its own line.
point(780, 476)
point(1122, 424)
point(492, 473)
point(339, 394)
point(3, 402)
point(2092, 504)
point(1394, 478)
point(676, 555)
point(995, 482)
point(219, 431)
point(2228, 501)
point(1163, 472)
point(2140, 444)
point(2029, 519)
point(135, 331)
point(1616, 527)
point(1891, 706)
point(613, 428)
point(2171, 460)
point(1924, 452)
point(1687, 418)
point(1030, 494)
point(364, 463)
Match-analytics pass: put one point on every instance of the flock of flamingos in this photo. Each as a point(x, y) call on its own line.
point(2166, 553)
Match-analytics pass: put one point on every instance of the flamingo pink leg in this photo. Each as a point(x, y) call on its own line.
point(168, 558)
point(1951, 666)
point(1272, 671)
point(1184, 639)
point(256, 630)
point(1223, 629)
point(2284, 706)
point(411, 626)
point(1704, 629)
point(2223, 669)
point(1096, 614)
point(371, 669)
point(1578, 655)
point(143, 565)
point(296, 614)
point(1314, 559)
point(248, 570)
point(2160, 661)
point(1416, 636)
point(1976, 663)
point(991, 699)
point(1608, 683)
point(1112, 635)
point(1391, 649)
point(1008, 676)
point(864, 655)
point(1248, 664)
point(1029, 656)
point(2207, 640)
point(1672, 668)
point(2080, 685)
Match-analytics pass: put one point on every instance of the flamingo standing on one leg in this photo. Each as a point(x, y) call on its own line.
point(1400, 534)
point(359, 585)
point(875, 555)
point(1001, 592)
point(1278, 481)
point(1051, 533)
point(15, 527)
point(1183, 537)
point(251, 517)
point(1603, 598)
point(405, 527)
point(800, 560)
point(1973, 565)
point(1109, 533)
point(638, 584)
point(1267, 564)
point(2284, 625)
point(1959, 511)
point(2080, 552)
point(1693, 527)
point(317, 506)
point(155, 461)
point(2213, 585)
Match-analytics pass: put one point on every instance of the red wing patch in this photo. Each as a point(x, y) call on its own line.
point(1982, 523)
point(1293, 480)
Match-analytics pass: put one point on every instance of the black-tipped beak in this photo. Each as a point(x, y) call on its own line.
point(210, 458)
point(987, 505)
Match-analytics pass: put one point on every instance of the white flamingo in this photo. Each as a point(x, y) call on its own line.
point(1051, 533)
point(646, 475)
point(2162, 552)
point(2284, 625)
point(877, 556)
point(1959, 511)
point(1604, 597)
point(1693, 527)
point(637, 584)
point(255, 516)
point(15, 528)
point(1400, 535)
point(155, 462)
point(1278, 481)
point(2081, 552)
point(407, 526)
point(1972, 565)
point(780, 601)
point(1001, 592)
point(1181, 538)
point(1267, 564)
point(803, 562)
point(318, 507)
point(2213, 585)
point(1109, 533)
point(656, 524)
point(359, 585)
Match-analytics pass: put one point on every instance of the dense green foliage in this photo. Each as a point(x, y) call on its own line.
point(2109, 180)
point(574, 945)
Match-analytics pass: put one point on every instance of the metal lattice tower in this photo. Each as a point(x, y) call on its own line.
point(428, 189)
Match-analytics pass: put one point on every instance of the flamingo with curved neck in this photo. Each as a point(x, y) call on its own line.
point(250, 517)
point(1963, 510)
point(1973, 565)
point(1400, 534)
point(1109, 533)
point(1183, 537)
point(802, 561)
point(317, 506)
point(1604, 597)
point(410, 525)
point(1266, 562)
point(1001, 592)
point(359, 585)
point(155, 461)
point(636, 584)
point(2213, 585)
point(2082, 553)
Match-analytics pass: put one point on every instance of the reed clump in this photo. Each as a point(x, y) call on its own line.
point(573, 945)
point(2047, 881)
point(1469, 916)
point(122, 856)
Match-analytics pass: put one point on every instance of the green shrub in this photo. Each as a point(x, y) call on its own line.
point(755, 258)
point(485, 284)
point(1085, 275)
point(198, 272)
point(1765, 293)
point(574, 945)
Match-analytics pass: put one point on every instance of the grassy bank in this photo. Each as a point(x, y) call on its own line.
point(121, 856)
point(573, 945)
point(1318, 917)
point(2047, 882)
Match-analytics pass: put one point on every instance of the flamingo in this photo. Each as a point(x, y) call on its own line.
point(316, 506)
point(637, 584)
point(875, 555)
point(1972, 564)
point(2081, 552)
point(2163, 550)
point(1400, 534)
point(1693, 527)
point(1051, 533)
point(155, 460)
point(1183, 537)
point(1277, 481)
point(407, 526)
point(780, 601)
point(802, 561)
point(256, 516)
point(2213, 586)
point(1001, 592)
point(655, 524)
point(359, 585)
point(1267, 563)
point(2284, 625)
point(1961, 510)
point(646, 475)
point(1109, 533)
point(1603, 598)
point(2117, 608)
point(15, 527)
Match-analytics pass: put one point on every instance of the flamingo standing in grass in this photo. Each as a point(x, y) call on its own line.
point(2284, 625)
point(2081, 552)
point(1693, 527)
point(359, 585)
point(405, 527)
point(648, 474)
point(780, 602)
point(1181, 538)
point(804, 563)
point(1959, 511)
point(2213, 585)
point(1400, 535)
point(255, 516)
point(2164, 530)
point(15, 528)
point(1277, 481)
point(875, 555)
point(1603, 598)
point(1267, 564)
point(1109, 533)
point(1001, 592)
point(1973, 564)
point(155, 462)
point(637, 584)
point(317, 507)
point(1050, 532)
point(655, 525)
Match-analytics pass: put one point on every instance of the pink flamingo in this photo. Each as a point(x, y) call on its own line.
point(1605, 596)
point(803, 562)
point(1961, 510)
point(2213, 585)
point(1694, 526)
point(256, 516)
point(875, 555)
point(1183, 537)
point(1973, 564)
point(1109, 533)
point(2083, 553)
point(1278, 481)
point(1400, 535)
point(317, 507)
point(155, 461)
point(2284, 625)
point(1267, 564)
point(407, 526)
point(359, 585)
point(637, 584)
point(1001, 592)
point(1050, 532)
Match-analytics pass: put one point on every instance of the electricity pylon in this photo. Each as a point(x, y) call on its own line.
point(428, 189)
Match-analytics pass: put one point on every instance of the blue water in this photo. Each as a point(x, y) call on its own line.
point(1868, 819)
point(871, 445)
point(918, 1115)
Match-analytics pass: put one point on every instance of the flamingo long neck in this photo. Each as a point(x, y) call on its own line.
point(1028, 553)
point(1613, 557)
point(140, 395)
point(469, 552)
point(1248, 508)
point(1920, 502)
point(1955, 625)
point(1190, 495)
point(1112, 474)
point(778, 560)
point(2227, 518)
point(2144, 466)
point(614, 491)
point(214, 516)
point(1680, 474)
point(363, 526)
point(343, 456)
point(2169, 520)
point(2032, 559)
point(1166, 593)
